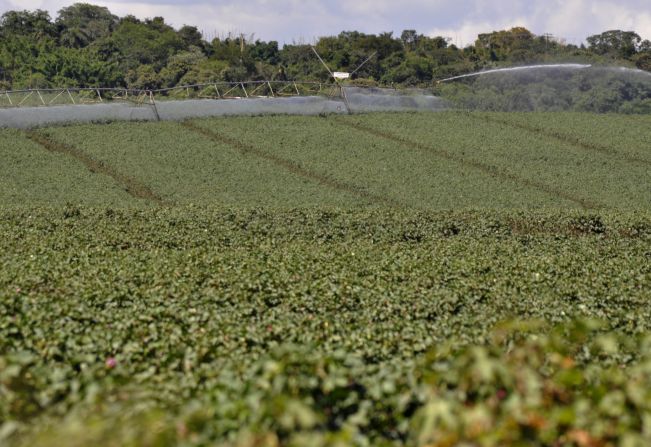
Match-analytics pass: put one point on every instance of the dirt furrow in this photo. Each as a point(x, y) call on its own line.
point(292, 166)
point(564, 138)
point(483, 167)
point(131, 185)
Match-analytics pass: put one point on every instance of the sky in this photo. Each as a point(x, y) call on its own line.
point(289, 21)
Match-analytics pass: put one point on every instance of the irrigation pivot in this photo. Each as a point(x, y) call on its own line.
point(522, 68)
point(40, 107)
point(338, 76)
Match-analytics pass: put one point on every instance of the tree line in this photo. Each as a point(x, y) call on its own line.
point(88, 46)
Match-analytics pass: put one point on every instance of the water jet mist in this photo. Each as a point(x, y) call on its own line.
point(521, 68)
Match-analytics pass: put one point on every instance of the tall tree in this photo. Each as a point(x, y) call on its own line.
point(505, 44)
point(150, 42)
point(81, 24)
point(191, 36)
point(410, 39)
point(616, 43)
point(35, 24)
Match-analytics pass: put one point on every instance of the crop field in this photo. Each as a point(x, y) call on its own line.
point(422, 161)
point(444, 279)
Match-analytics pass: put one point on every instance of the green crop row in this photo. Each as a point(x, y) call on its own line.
point(303, 281)
point(210, 326)
point(623, 135)
point(33, 176)
point(560, 168)
point(184, 167)
point(424, 161)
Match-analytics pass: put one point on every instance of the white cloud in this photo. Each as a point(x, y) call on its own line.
point(9, 5)
point(463, 20)
point(577, 19)
point(571, 20)
point(467, 32)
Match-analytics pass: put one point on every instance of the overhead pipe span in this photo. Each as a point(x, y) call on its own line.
point(361, 100)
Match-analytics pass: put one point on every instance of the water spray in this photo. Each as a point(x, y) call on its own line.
point(522, 68)
point(627, 70)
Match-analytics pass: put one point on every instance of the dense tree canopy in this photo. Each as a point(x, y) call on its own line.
point(82, 24)
point(86, 45)
point(624, 44)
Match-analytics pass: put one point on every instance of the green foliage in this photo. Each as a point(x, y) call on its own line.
point(123, 52)
point(204, 171)
point(550, 159)
point(514, 44)
point(446, 160)
point(383, 279)
point(541, 392)
point(81, 24)
point(145, 43)
point(598, 90)
point(616, 43)
point(191, 36)
point(411, 71)
point(30, 174)
point(180, 65)
point(36, 24)
point(144, 77)
point(213, 326)
point(643, 60)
